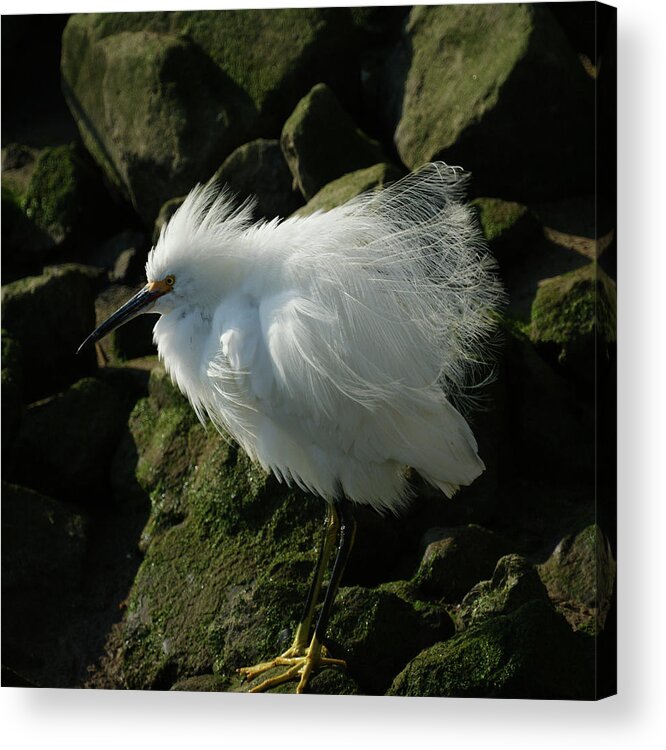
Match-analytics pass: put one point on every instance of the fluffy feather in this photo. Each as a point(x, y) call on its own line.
point(331, 346)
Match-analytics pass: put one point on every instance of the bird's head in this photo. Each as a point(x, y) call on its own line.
point(191, 261)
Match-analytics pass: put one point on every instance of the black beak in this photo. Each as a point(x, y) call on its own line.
point(133, 307)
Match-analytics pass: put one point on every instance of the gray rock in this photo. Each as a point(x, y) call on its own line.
point(530, 653)
point(72, 461)
point(455, 88)
point(455, 559)
point(161, 99)
point(580, 577)
point(51, 315)
point(135, 338)
point(321, 142)
point(514, 583)
point(259, 169)
point(349, 186)
point(167, 210)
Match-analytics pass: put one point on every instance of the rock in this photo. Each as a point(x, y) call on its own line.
point(455, 88)
point(580, 578)
point(43, 548)
point(228, 552)
point(455, 559)
point(514, 583)
point(203, 683)
point(161, 99)
point(349, 186)
point(321, 142)
point(259, 169)
point(65, 197)
point(167, 210)
point(376, 632)
point(70, 462)
point(24, 244)
point(51, 315)
point(135, 338)
point(574, 320)
point(510, 228)
point(12, 392)
point(122, 256)
point(333, 682)
point(530, 653)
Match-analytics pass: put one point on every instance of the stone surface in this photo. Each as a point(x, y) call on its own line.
point(514, 583)
point(580, 577)
point(510, 228)
point(74, 461)
point(574, 320)
point(65, 197)
point(51, 315)
point(12, 391)
point(455, 88)
point(377, 632)
point(24, 244)
point(259, 169)
point(43, 548)
point(135, 338)
point(530, 653)
point(349, 186)
point(167, 210)
point(457, 558)
point(162, 98)
point(321, 142)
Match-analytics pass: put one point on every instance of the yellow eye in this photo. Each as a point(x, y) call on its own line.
point(170, 280)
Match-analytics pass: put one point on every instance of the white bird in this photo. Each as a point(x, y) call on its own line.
point(330, 347)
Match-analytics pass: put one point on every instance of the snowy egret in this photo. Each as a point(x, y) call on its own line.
point(331, 347)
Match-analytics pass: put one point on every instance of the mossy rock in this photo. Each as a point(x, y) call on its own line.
point(514, 583)
point(65, 197)
point(228, 552)
point(455, 87)
point(321, 142)
point(44, 544)
point(377, 632)
point(457, 558)
point(580, 577)
point(133, 339)
point(530, 653)
point(66, 442)
point(345, 188)
point(258, 169)
point(162, 98)
point(12, 391)
point(510, 228)
point(50, 315)
point(573, 322)
point(24, 244)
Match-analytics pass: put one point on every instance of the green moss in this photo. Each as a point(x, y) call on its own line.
point(530, 653)
point(57, 193)
point(498, 216)
point(349, 186)
point(575, 304)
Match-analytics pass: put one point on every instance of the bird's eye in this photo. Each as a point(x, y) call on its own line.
point(170, 280)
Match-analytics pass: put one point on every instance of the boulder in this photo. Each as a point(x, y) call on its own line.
point(574, 321)
point(321, 142)
point(51, 315)
point(71, 462)
point(377, 632)
point(580, 577)
point(349, 186)
point(258, 169)
point(530, 653)
point(135, 338)
point(510, 228)
point(161, 99)
point(12, 392)
point(43, 548)
point(455, 88)
point(24, 244)
point(455, 559)
point(123, 256)
point(167, 210)
point(514, 583)
point(66, 198)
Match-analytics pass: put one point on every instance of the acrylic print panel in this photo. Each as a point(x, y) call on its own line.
point(431, 366)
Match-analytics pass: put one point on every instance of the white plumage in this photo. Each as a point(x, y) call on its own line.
point(330, 346)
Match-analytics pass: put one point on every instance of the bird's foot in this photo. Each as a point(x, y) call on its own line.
point(300, 662)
